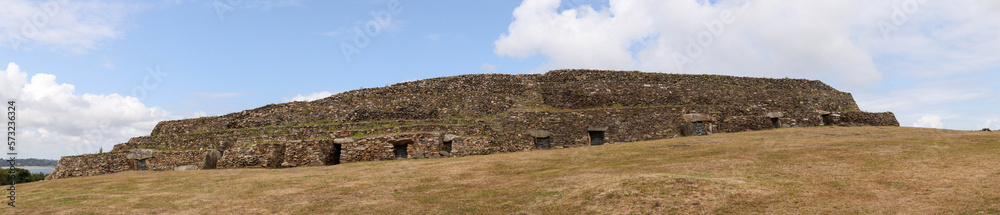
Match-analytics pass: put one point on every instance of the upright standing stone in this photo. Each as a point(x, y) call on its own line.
point(212, 158)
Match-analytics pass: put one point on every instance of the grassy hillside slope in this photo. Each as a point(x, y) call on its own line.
point(788, 171)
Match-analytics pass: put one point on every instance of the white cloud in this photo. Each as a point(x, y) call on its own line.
point(54, 120)
point(929, 121)
point(758, 38)
point(309, 97)
point(923, 66)
point(992, 124)
point(836, 40)
point(74, 26)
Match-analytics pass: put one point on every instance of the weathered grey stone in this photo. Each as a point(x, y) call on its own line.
point(139, 154)
point(450, 137)
point(697, 117)
point(186, 167)
point(597, 128)
point(539, 133)
point(698, 128)
point(775, 115)
point(345, 140)
point(212, 157)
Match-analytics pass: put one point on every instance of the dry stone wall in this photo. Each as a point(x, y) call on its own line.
point(257, 155)
point(310, 153)
point(225, 139)
point(477, 96)
point(483, 114)
point(168, 160)
point(112, 162)
point(91, 164)
point(382, 147)
point(870, 119)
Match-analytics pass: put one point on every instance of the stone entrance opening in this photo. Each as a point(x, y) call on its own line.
point(399, 150)
point(699, 129)
point(446, 146)
point(399, 147)
point(775, 119)
point(334, 157)
point(140, 164)
point(696, 124)
point(542, 142)
point(596, 137)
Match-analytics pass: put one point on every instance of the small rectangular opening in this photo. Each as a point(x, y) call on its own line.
point(699, 129)
point(400, 150)
point(446, 146)
point(140, 164)
point(596, 137)
point(334, 157)
point(775, 123)
point(827, 120)
point(542, 142)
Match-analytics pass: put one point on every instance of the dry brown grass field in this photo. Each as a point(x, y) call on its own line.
point(820, 170)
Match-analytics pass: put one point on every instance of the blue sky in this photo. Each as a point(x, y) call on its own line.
point(90, 74)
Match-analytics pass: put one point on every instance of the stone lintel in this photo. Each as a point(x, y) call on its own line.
point(775, 115)
point(139, 154)
point(539, 133)
point(345, 140)
point(697, 117)
point(450, 137)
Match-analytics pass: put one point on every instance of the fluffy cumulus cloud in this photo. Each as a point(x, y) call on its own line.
point(54, 120)
point(309, 96)
point(929, 121)
point(74, 26)
point(897, 55)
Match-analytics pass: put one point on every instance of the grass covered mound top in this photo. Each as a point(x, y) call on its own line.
point(817, 170)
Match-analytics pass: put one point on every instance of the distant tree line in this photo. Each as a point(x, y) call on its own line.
point(23, 176)
point(36, 162)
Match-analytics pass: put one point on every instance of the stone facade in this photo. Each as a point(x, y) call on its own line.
point(485, 114)
point(112, 162)
point(256, 155)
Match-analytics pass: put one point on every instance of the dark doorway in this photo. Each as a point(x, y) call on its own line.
point(827, 119)
point(775, 123)
point(542, 142)
point(140, 164)
point(699, 129)
point(212, 159)
point(446, 146)
point(334, 157)
point(596, 137)
point(400, 150)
